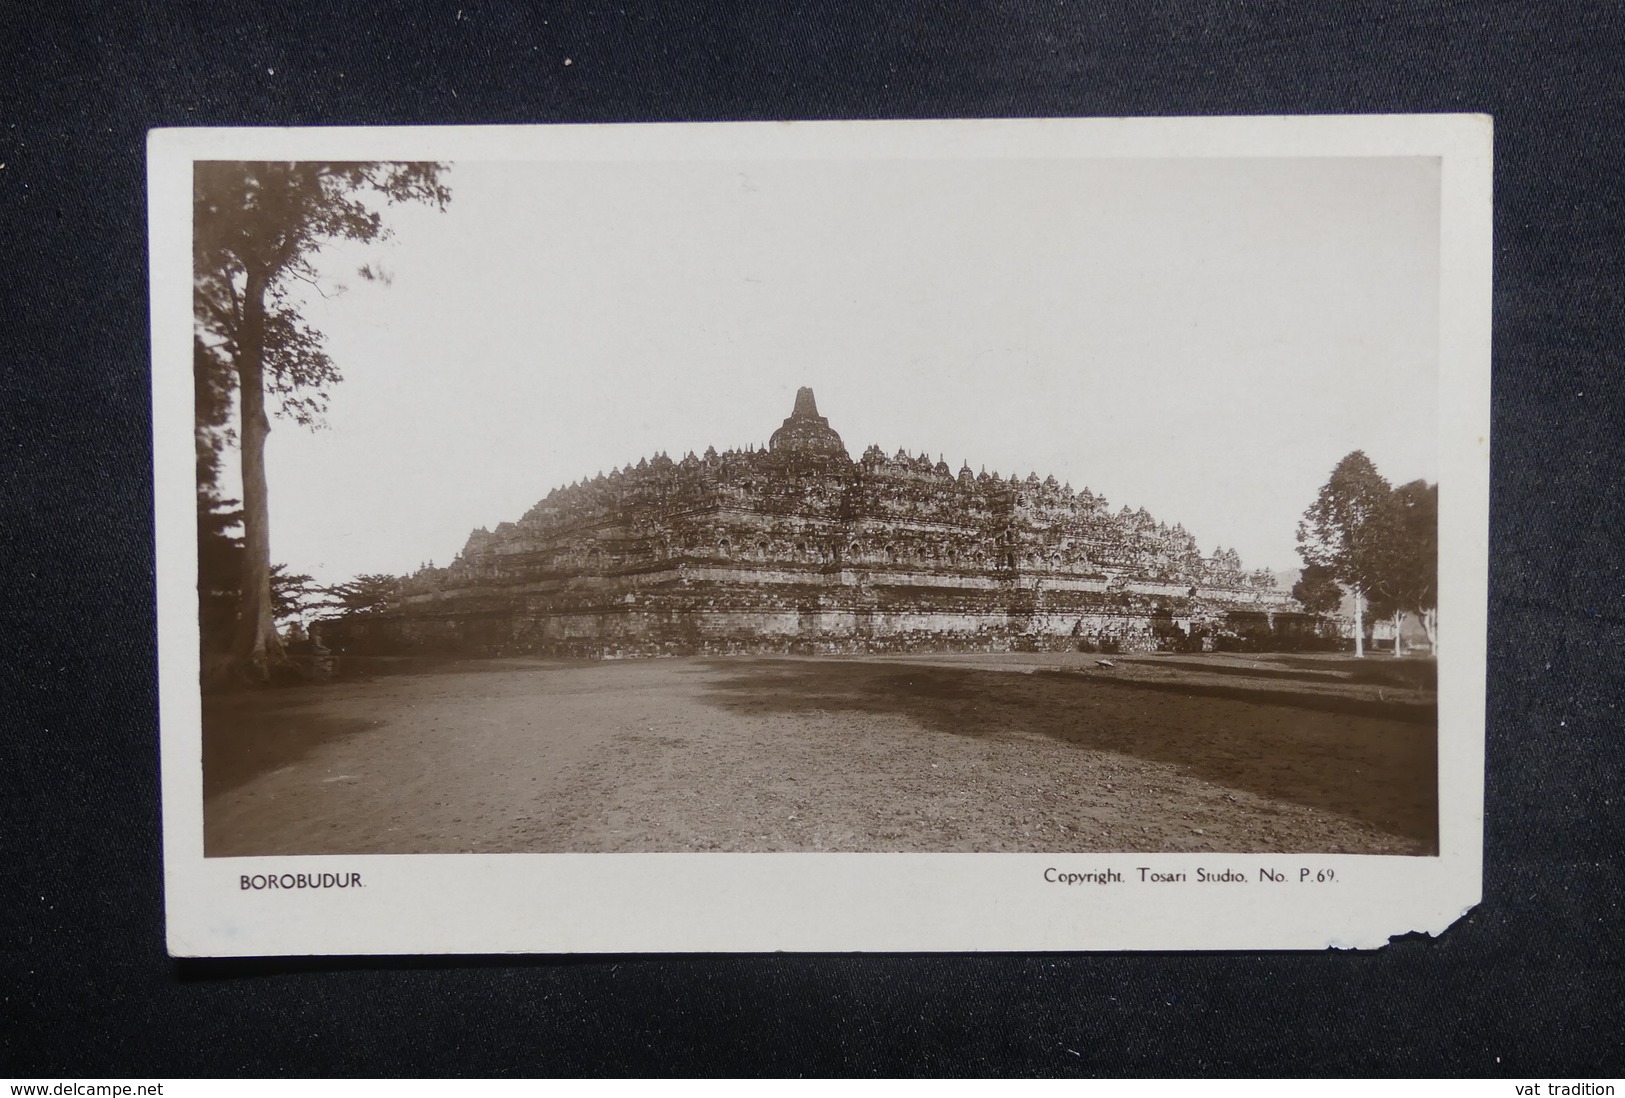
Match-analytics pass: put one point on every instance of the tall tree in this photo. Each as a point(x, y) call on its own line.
point(219, 552)
point(1344, 531)
point(257, 227)
point(1400, 560)
point(1383, 589)
point(1412, 582)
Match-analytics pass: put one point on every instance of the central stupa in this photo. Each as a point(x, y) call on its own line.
point(807, 432)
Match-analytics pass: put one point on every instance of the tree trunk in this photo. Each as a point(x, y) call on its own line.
point(1359, 624)
point(1399, 620)
point(1430, 626)
point(256, 648)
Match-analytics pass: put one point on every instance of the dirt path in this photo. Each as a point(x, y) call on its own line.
point(990, 753)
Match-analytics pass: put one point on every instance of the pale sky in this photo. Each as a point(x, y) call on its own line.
point(1203, 338)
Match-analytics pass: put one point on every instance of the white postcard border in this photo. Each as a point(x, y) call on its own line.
point(834, 902)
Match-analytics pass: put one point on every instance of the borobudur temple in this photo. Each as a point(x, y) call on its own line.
point(798, 548)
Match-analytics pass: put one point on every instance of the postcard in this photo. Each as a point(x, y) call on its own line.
point(1061, 534)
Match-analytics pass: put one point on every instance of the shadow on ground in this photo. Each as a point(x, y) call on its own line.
point(1372, 761)
point(1401, 674)
point(244, 738)
point(362, 668)
point(1259, 691)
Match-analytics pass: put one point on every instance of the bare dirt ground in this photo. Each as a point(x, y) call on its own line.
point(1019, 752)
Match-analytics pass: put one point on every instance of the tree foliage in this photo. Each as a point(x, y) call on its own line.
point(1317, 590)
point(295, 596)
point(257, 227)
point(1411, 585)
point(366, 594)
point(1342, 529)
point(1379, 541)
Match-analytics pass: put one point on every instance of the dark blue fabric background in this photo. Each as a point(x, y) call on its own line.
point(1529, 984)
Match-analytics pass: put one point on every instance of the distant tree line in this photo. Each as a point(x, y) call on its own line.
point(1376, 544)
point(294, 597)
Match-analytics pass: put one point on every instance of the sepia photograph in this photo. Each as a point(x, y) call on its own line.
point(864, 489)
